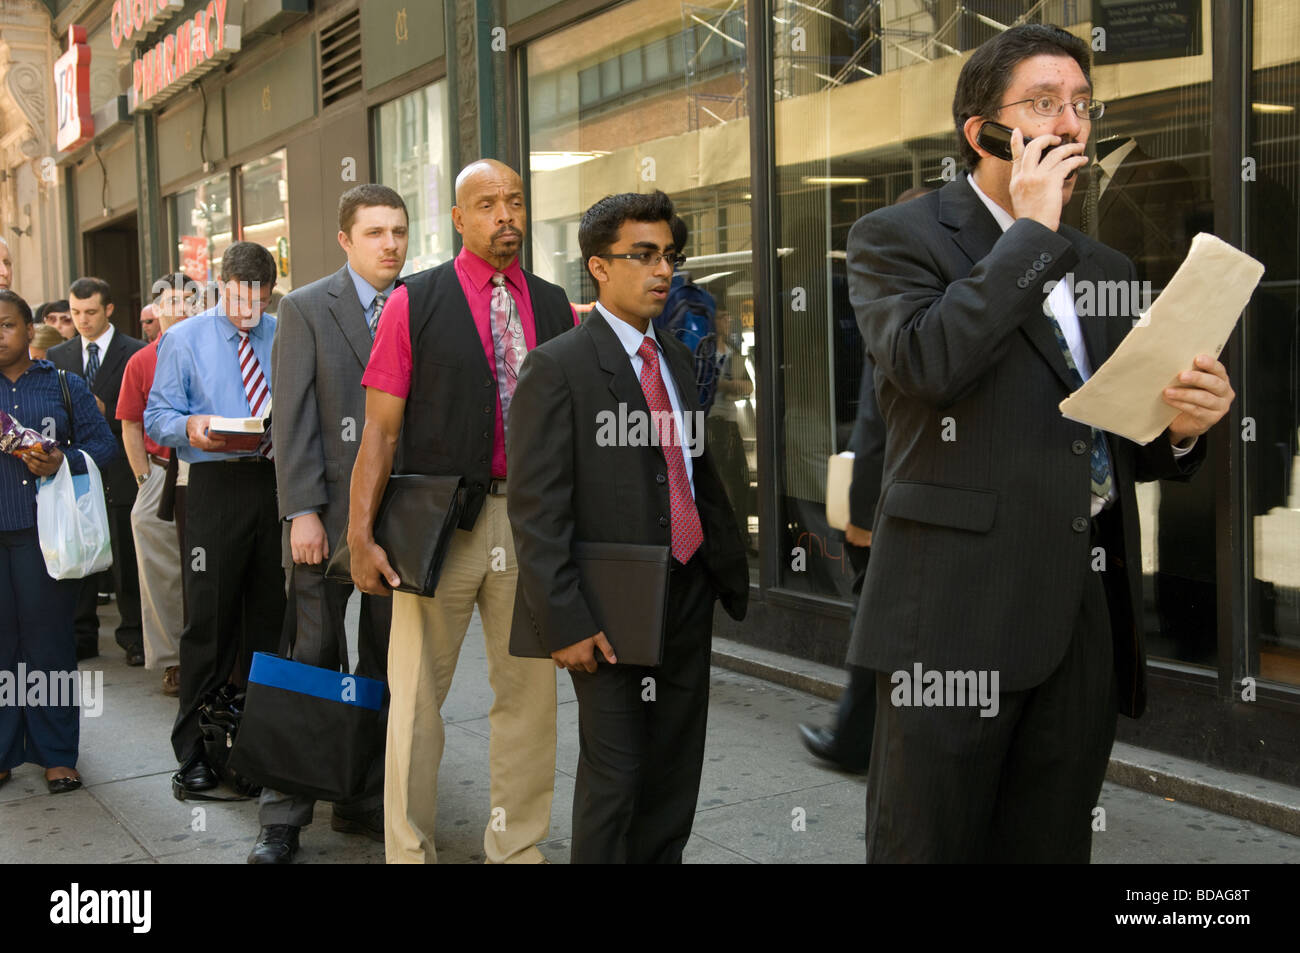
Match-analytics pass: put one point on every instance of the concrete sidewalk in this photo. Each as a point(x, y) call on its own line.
point(758, 781)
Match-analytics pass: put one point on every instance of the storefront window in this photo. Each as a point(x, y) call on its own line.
point(1271, 395)
point(411, 157)
point(893, 63)
point(202, 227)
point(264, 209)
point(649, 95)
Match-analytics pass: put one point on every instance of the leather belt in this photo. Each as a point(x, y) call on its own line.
point(250, 458)
point(497, 487)
point(161, 461)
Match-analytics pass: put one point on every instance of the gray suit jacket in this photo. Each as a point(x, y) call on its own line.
point(981, 543)
point(318, 410)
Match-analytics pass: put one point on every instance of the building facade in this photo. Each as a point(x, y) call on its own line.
point(774, 125)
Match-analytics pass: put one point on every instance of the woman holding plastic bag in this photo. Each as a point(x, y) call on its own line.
point(36, 610)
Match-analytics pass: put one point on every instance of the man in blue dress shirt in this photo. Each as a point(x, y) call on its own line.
point(218, 363)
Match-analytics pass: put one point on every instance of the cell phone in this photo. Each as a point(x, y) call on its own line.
point(996, 138)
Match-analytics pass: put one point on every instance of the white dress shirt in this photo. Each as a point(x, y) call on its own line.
point(1061, 301)
point(103, 341)
point(631, 340)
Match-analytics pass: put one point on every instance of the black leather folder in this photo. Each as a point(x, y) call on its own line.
point(626, 588)
point(417, 517)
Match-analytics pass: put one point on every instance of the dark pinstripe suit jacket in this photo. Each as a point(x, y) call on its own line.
point(981, 543)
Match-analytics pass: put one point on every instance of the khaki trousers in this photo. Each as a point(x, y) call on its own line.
point(423, 650)
point(161, 615)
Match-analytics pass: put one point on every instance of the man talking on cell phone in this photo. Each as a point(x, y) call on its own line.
point(994, 507)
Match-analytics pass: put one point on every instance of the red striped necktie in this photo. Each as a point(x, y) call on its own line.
point(687, 533)
point(255, 389)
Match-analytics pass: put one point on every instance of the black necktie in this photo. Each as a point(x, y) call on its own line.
point(92, 363)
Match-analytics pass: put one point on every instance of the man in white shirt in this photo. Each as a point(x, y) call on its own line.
point(99, 354)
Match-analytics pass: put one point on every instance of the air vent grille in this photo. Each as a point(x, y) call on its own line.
point(340, 59)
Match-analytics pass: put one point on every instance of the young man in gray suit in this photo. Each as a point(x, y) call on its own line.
point(321, 350)
point(1006, 542)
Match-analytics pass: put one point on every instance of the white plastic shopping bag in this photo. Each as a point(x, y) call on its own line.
point(72, 521)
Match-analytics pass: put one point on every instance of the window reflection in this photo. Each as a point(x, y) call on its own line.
point(652, 95)
point(411, 158)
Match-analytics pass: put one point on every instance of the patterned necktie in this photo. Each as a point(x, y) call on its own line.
point(1100, 470)
point(508, 342)
point(376, 306)
point(688, 534)
point(1088, 225)
point(92, 362)
point(255, 389)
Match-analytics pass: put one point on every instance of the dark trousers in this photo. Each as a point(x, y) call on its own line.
point(126, 588)
point(35, 629)
point(855, 719)
point(235, 584)
point(318, 606)
point(948, 786)
point(179, 517)
point(641, 755)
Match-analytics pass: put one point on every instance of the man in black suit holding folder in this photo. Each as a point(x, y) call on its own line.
point(642, 728)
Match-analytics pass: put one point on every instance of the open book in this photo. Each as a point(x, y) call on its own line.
point(239, 433)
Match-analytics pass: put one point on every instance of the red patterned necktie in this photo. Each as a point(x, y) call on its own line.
point(255, 389)
point(687, 532)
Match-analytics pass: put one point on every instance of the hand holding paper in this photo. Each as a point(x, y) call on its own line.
point(1193, 316)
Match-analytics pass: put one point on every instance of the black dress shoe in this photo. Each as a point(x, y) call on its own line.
point(198, 776)
point(86, 652)
point(370, 823)
point(62, 785)
point(135, 657)
point(821, 742)
point(277, 844)
point(6, 779)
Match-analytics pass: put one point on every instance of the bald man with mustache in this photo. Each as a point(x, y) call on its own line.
point(438, 385)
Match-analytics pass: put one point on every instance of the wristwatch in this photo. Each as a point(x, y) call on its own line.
point(140, 478)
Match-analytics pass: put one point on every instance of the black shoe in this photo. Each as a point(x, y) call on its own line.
point(87, 652)
point(277, 844)
point(821, 742)
point(197, 776)
point(370, 823)
point(135, 657)
point(62, 785)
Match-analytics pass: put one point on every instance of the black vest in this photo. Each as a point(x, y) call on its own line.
point(450, 417)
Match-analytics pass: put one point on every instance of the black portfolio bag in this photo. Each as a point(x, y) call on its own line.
point(626, 588)
point(307, 730)
point(414, 526)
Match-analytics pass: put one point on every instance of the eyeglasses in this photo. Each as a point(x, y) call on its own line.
point(650, 259)
point(1051, 107)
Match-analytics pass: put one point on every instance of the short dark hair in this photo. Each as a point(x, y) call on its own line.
point(39, 315)
point(248, 261)
point(986, 75)
point(172, 281)
point(364, 196)
point(58, 307)
point(89, 287)
point(681, 233)
point(601, 223)
point(15, 299)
